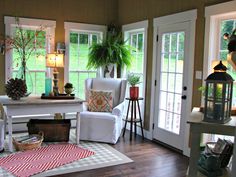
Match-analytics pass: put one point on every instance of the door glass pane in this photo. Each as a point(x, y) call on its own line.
point(176, 123)
point(172, 62)
point(163, 99)
point(178, 83)
point(171, 82)
point(174, 42)
point(164, 81)
point(180, 62)
point(177, 106)
point(170, 101)
point(165, 63)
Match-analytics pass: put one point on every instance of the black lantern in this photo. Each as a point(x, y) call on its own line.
point(218, 95)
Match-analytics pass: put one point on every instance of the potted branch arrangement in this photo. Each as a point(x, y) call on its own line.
point(110, 54)
point(25, 44)
point(133, 80)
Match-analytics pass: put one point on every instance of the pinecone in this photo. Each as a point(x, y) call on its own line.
point(16, 88)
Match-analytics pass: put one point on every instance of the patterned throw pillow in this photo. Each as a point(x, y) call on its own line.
point(100, 101)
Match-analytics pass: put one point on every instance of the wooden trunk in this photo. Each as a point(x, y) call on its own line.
point(54, 130)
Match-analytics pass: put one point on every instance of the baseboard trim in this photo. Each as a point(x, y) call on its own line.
point(168, 146)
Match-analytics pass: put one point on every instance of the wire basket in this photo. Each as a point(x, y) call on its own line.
point(23, 146)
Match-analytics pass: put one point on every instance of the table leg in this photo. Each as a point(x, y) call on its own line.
point(135, 117)
point(9, 118)
point(5, 123)
point(126, 119)
point(141, 124)
point(77, 127)
point(194, 151)
point(131, 120)
point(233, 171)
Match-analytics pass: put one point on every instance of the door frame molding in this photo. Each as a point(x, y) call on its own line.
point(187, 16)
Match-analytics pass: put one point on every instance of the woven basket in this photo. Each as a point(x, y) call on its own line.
point(28, 146)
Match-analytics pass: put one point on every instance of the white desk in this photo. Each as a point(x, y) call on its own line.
point(197, 127)
point(35, 105)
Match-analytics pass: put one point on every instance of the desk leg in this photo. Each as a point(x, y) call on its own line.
point(5, 123)
point(135, 117)
point(194, 152)
point(77, 127)
point(9, 118)
point(233, 171)
point(141, 124)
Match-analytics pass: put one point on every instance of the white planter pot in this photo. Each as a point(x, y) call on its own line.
point(109, 72)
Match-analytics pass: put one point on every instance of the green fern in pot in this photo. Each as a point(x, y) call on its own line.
point(111, 50)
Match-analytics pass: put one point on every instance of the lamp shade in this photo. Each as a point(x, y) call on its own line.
point(54, 60)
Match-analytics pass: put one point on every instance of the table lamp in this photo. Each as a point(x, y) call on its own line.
point(55, 60)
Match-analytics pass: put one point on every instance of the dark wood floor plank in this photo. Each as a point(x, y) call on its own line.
point(150, 160)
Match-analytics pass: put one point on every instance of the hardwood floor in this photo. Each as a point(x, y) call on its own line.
point(150, 160)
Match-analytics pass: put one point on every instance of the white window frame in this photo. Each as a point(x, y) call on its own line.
point(10, 22)
point(213, 15)
point(132, 28)
point(79, 27)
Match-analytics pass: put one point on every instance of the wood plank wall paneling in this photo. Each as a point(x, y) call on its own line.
point(105, 12)
point(133, 11)
point(101, 12)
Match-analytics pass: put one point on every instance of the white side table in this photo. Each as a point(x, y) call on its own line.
point(197, 127)
point(35, 105)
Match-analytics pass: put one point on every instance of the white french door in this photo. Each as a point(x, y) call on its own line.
point(171, 88)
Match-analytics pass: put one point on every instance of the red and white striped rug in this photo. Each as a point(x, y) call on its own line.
point(27, 163)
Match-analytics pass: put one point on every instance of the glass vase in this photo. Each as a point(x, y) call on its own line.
point(24, 74)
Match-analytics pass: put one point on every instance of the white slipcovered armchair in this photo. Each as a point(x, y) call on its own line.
point(103, 126)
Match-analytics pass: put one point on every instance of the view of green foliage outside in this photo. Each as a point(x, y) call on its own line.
point(137, 42)
point(36, 63)
point(227, 26)
point(172, 63)
point(78, 58)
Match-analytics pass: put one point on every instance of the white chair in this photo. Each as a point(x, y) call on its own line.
point(103, 126)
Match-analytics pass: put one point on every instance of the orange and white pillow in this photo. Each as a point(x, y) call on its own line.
point(100, 101)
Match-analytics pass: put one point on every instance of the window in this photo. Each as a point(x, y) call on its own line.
point(79, 38)
point(36, 62)
point(136, 35)
point(220, 19)
point(219, 24)
point(227, 26)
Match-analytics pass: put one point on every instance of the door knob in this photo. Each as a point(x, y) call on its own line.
point(184, 97)
point(184, 88)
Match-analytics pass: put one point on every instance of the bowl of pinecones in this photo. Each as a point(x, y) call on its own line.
point(15, 88)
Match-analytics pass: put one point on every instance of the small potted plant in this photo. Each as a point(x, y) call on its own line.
point(69, 88)
point(133, 80)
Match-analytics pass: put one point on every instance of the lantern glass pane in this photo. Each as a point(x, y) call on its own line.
point(210, 90)
point(218, 111)
point(218, 92)
point(210, 109)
